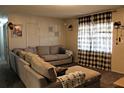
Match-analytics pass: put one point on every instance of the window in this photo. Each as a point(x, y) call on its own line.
point(95, 38)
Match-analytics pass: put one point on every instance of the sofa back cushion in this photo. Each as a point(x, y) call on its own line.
point(62, 50)
point(17, 50)
point(21, 54)
point(43, 50)
point(31, 49)
point(54, 49)
point(44, 68)
point(29, 56)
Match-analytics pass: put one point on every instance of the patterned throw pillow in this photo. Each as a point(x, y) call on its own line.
point(72, 80)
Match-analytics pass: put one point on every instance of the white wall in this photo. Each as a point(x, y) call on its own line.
point(35, 31)
point(71, 37)
point(118, 50)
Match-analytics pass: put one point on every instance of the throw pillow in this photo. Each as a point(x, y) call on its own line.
point(31, 49)
point(60, 70)
point(61, 50)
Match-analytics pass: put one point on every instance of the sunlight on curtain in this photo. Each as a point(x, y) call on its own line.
point(95, 40)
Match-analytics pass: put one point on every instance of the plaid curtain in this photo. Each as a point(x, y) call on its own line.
point(95, 41)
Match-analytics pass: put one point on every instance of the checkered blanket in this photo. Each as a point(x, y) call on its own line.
point(72, 80)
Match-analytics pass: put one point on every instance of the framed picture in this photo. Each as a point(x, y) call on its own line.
point(17, 31)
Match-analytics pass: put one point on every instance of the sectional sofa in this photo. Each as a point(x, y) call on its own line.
point(35, 72)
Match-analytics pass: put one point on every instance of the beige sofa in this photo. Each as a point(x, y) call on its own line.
point(55, 55)
point(36, 73)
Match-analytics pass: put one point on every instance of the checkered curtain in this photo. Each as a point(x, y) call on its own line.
point(95, 41)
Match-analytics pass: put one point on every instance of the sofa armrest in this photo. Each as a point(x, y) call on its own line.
point(34, 79)
point(68, 52)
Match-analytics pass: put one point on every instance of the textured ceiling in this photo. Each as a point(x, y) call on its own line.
point(59, 11)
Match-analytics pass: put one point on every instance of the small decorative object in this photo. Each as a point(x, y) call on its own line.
point(10, 25)
point(70, 27)
point(117, 25)
point(50, 28)
point(17, 31)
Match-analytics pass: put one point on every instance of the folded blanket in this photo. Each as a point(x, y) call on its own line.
point(72, 80)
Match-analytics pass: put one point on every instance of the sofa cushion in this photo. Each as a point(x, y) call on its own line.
point(43, 50)
point(44, 68)
point(21, 54)
point(54, 49)
point(16, 50)
point(28, 57)
point(54, 57)
point(61, 56)
point(88, 72)
point(50, 57)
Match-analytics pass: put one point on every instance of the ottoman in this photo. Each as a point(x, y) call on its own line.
point(92, 78)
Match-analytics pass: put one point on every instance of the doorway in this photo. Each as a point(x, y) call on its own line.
point(3, 38)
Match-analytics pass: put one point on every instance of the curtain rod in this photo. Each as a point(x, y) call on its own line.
point(93, 13)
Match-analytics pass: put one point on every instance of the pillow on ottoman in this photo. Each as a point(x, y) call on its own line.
point(60, 70)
